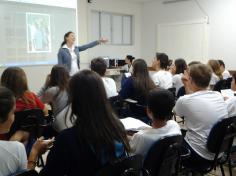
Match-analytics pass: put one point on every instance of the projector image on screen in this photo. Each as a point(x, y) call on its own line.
point(38, 32)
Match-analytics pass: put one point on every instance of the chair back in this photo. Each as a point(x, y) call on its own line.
point(181, 92)
point(31, 120)
point(163, 157)
point(222, 84)
point(28, 173)
point(116, 103)
point(173, 91)
point(221, 136)
point(125, 166)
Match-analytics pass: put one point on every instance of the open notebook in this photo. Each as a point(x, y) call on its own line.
point(132, 124)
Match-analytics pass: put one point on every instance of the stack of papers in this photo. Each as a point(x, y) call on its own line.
point(132, 124)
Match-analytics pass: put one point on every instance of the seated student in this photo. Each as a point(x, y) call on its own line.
point(216, 72)
point(15, 79)
point(159, 109)
point(99, 66)
point(201, 110)
point(12, 153)
point(225, 73)
point(96, 138)
point(231, 101)
point(138, 85)
point(128, 66)
point(55, 93)
point(162, 77)
point(178, 69)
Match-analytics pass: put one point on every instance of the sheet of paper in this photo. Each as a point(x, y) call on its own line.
point(227, 93)
point(134, 124)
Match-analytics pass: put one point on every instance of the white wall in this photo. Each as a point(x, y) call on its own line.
point(222, 25)
point(122, 7)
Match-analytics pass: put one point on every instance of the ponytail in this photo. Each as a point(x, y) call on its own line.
point(65, 36)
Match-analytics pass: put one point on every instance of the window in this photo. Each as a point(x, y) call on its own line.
point(116, 27)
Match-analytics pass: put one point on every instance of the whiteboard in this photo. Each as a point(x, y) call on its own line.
point(187, 40)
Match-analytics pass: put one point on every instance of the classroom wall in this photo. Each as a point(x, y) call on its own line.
point(121, 7)
point(221, 28)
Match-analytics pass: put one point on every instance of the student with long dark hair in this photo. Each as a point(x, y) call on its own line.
point(12, 153)
point(68, 54)
point(55, 92)
point(178, 69)
point(137, 86)
point(97, 136)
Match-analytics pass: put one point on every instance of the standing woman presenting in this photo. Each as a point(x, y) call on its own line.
point(68, 54)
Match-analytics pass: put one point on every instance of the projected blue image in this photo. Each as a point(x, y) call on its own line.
point(38, 32)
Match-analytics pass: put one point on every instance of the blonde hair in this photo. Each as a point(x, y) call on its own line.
point(215, 66)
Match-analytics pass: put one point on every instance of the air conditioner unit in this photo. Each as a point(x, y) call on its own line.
point(172, 1)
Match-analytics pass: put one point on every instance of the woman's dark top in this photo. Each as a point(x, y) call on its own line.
point(72, 157)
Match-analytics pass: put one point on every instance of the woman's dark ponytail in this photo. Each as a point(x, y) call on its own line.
point(65, 36)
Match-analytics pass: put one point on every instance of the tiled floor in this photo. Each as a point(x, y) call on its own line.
point(218, 173)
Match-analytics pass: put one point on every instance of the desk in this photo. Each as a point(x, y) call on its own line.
point(116, 74)
point(113, 71)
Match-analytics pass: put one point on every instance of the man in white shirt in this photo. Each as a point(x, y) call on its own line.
point(160, 103)
point(162, 77)
point(99, 65)
point(201, 110)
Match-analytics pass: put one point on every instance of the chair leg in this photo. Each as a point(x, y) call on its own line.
point(230, 167)
point(222, 170)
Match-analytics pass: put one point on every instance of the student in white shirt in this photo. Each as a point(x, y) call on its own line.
point(12, 153)
point(160, 103)
point(99, 66)
point(178, 69)
point(231, 101)
point(216, 72)
point(128, 66)
point(225, 73)
point(201, 110)
point(162, 77)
